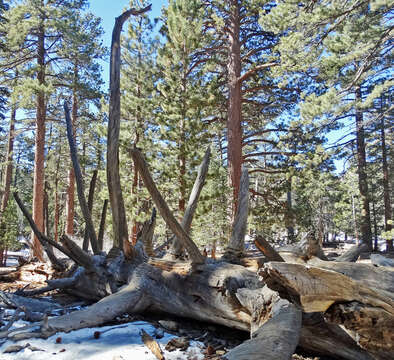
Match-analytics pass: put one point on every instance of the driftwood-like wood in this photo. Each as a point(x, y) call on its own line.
point(176, 248)
point(79, 181)
point(236, 245)
point(113, 178)
point(381, 278)
point(56, 284)
point(326, 339)
point(92, 186)
point(308, 247)
point(164, 210)
point(277, 339)
point(265, 247)
point(368, 312)
point(152, 345)
point(353, 253)
point(380, 260)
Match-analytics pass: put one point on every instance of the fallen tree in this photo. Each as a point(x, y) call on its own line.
point(283, 306)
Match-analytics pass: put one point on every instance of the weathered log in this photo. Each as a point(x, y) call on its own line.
point(16, 301)
point(266, 248)
point(353, 253)
point(81, 257)
point(276, 339)
point(319, 290)
point(113, 178)
point(215, 293)
point(85, 245)
point(236, 244)
point(176, 248)
point(325, 339)
point(380, 260)
point(164, 210)
point(381, 278)
point(308, 247)
point(79, 181)
point(56, 284)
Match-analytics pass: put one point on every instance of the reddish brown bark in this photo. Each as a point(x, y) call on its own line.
point(39, 157)
point(9, 166)
point(234, 119)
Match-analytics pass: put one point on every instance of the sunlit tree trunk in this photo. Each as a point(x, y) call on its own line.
point(234, 118)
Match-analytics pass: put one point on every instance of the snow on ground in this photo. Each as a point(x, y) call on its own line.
point(117, 342)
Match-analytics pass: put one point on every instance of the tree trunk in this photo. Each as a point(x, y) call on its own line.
point(9, 158)
point(70, 205)
point(234, 116)
point(366, 234)
point(57, 205)
point(176, 248)
point(164, 210)
point(92, 186)
point(368, 312)
point(100, 238)
point(121, 239)
point(80, 187)
point(386, 187)
point(236, 245)
point(39, 156)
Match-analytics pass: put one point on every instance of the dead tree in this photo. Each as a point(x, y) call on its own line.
point(113, 178)
point(282, 306)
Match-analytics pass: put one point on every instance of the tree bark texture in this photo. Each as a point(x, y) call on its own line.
point(164, 210)
point(236, 245)
point(100, 238)
point(39, 145)
point(80, 187)
point(234, 116)
point(113, 178)
point(9, 165)
point(92, 186)
point(365, 218)
point(70, 205)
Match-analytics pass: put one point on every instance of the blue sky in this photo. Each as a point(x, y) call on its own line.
point(107, 11)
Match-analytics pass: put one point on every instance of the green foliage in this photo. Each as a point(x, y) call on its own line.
point(9, 227)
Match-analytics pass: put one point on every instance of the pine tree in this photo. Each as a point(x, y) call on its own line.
point(182, 97)
point(345, 47)
point(137, 107)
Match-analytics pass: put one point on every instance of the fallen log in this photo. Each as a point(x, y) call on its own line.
point(266, 248)
point(380, 260)
point(381, 278)
point(277, 339)
point(368, 312)
point(353, 253)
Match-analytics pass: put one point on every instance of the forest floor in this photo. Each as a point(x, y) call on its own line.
point(121, 339)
